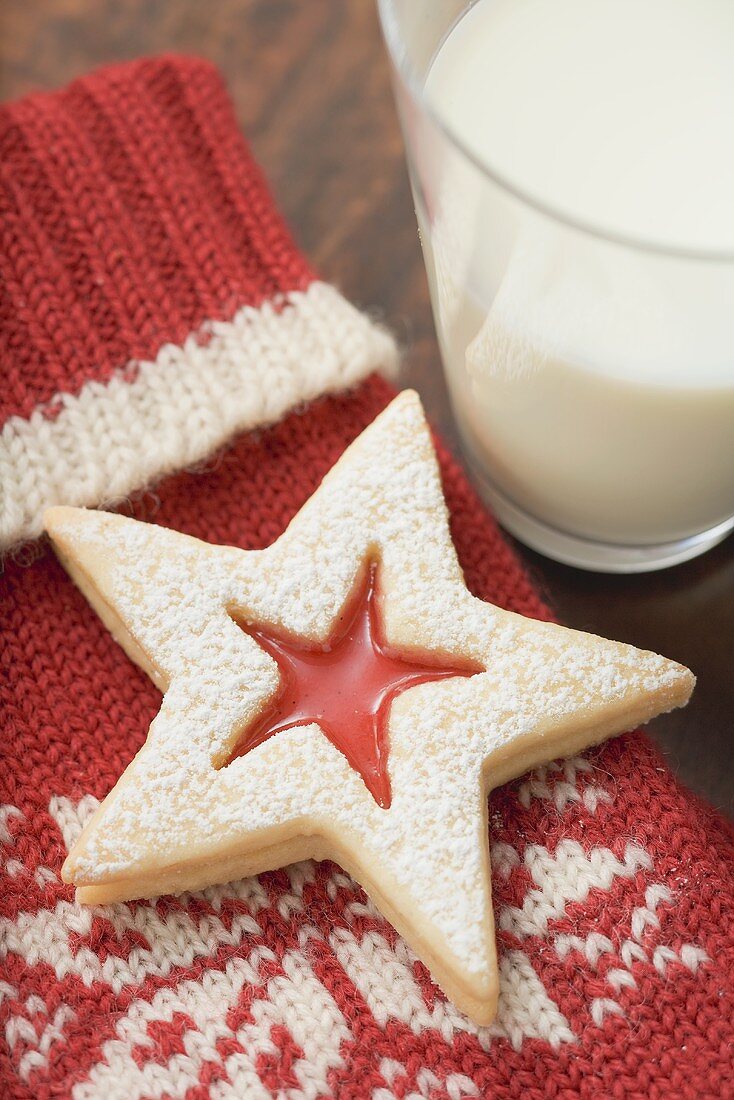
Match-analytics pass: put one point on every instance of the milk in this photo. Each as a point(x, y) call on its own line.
point(593, 381)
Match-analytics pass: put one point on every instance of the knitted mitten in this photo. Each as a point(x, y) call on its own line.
point(155, 309)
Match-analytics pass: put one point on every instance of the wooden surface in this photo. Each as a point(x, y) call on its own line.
point(311, 85)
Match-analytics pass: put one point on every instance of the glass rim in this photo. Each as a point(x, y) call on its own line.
point(393, 38)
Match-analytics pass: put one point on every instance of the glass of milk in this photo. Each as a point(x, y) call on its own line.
point(572, 164)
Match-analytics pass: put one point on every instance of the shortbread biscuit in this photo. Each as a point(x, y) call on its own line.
point(494, 695)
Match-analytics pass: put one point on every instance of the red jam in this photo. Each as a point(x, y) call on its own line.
point(346, 686)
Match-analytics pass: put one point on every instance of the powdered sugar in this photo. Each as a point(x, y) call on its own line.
point(545, 690)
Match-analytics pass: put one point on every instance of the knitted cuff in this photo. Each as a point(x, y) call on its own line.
point(153, 302)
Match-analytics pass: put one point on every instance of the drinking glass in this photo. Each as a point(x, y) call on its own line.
point(591, 376)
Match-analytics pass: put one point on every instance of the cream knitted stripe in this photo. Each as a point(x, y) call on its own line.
point(155, 417)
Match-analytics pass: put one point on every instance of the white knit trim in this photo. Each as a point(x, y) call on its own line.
point(115, 437)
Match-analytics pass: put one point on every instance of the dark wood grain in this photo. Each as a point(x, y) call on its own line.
point(312, 90)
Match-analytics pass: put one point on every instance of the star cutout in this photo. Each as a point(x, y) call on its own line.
point(188, 812)
point(346, 687)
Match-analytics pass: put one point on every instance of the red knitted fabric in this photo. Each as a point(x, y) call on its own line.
point(131, 213)
point(613, 888)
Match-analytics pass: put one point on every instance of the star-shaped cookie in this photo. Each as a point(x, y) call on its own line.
point(190, 810)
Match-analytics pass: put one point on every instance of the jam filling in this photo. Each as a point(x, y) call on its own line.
point(346, 686)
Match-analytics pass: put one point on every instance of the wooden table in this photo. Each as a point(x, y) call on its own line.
point(311, 85)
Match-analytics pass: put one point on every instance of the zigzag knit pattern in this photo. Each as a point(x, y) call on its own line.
point(613, 888)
